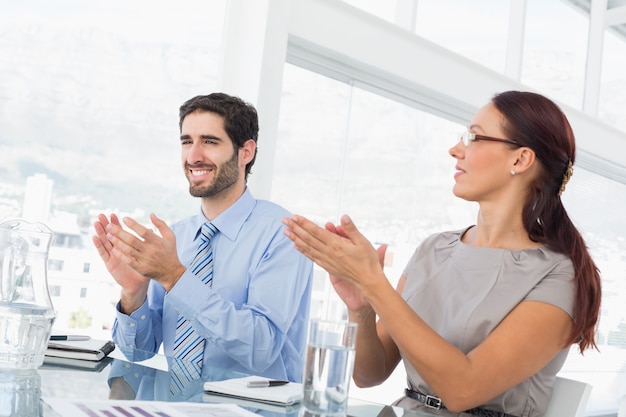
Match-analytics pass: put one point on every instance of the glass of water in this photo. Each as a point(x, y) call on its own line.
point(328, 367)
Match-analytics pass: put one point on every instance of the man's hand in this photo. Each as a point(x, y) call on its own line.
point(148, 253)
point(120, 390)
point(134, 284)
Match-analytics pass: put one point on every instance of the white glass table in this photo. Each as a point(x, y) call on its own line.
point(136, 375)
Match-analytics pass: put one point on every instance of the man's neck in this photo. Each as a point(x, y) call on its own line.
point(217, 204)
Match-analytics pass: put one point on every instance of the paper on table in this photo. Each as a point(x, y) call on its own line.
point(88, 408)
point(287, 394)
point(275, 409)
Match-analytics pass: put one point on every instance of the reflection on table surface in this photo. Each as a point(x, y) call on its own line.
point(131, 374)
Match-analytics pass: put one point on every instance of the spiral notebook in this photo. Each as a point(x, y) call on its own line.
point(88, 350)
point(56, 362)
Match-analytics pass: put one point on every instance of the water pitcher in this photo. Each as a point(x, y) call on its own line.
point(26, 311)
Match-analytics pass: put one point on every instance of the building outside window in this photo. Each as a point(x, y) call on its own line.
point(55, 265)
point(55, 290)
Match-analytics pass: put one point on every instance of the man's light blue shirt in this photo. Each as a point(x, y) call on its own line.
point(254, 317)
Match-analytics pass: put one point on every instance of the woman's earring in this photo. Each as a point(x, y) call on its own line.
point(512, 172)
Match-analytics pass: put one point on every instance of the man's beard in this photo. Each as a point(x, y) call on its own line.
point(227, 175)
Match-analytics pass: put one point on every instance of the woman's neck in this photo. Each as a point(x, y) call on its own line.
point(499, 229)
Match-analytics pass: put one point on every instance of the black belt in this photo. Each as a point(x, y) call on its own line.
point(431, 401)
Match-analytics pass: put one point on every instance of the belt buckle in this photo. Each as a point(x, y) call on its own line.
point(433, 402)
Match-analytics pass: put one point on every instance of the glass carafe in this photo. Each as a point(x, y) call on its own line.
point(26, 311)
point(20, 393)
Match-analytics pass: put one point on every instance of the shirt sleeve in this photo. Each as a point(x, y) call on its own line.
point(557, 288)
point(142, 328)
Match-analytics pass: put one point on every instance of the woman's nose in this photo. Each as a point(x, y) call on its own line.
point(455, 151)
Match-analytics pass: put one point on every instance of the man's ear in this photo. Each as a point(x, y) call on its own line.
point(525, 159)
point(247, 151)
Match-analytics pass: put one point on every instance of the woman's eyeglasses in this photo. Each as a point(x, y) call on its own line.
point(468, 137)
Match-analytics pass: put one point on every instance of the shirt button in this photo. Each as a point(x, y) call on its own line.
point(143, 317)
point(132, 325)
point(127, 365)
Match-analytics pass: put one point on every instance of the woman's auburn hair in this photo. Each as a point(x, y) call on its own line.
point(536, 122)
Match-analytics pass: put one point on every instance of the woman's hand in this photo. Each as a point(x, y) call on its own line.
point(354, 265)
point(356, 272)
point(351, 296)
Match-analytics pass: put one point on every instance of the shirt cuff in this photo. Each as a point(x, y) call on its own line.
point(133, 324)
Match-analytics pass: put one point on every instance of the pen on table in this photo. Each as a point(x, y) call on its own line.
point(69, 337)
point(261, 383)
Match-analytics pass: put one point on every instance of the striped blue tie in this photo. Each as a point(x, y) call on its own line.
point(188, 345)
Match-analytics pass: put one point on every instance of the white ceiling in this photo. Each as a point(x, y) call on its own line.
point(615, 16)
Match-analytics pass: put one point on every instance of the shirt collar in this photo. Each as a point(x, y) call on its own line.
point(231, 220)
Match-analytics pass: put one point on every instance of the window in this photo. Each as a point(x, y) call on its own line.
point(611, 105)
point(64, 240)
point(384, 163)
point(55, 265)
point(478, 30)
point(88, 89)
point(104, 81)
point(555, 50)
point(590, 200)
point(55, 290)
point(387, 165)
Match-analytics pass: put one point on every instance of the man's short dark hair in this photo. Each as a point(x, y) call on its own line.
point(241, 121)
